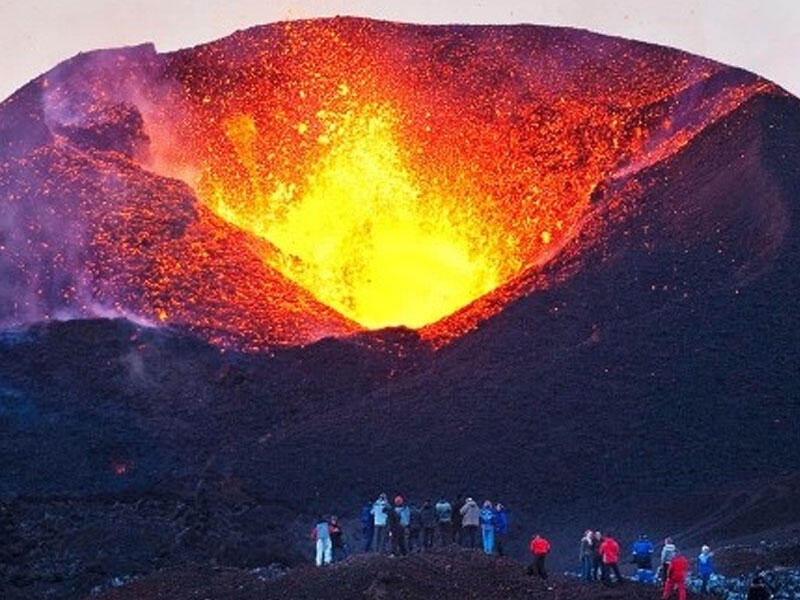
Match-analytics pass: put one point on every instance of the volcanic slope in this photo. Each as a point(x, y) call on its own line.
point(446, 574)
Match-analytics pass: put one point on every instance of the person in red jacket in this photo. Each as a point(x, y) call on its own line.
point(609, 551)
point(676, 577)
point(539, 547)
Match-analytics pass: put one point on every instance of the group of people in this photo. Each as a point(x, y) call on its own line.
point(399, 527)
point(599, 556)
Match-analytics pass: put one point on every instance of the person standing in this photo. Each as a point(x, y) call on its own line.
point(643, 553)
point(380, 511)
point(609, 551)
point(705, 567)
point(320, 534)
point(597, 558)
point(539, 547)
point(444, 519)
point(397, 532)
point(500, 528)
point(405, 516)
point(338, 546)
point(457, 529)
point(676, 576)
point(427, 517)
point(367, 525)
point(470, 520)
point(414, 528)
point(585, 555)
point(667, 552)
point(487, 520)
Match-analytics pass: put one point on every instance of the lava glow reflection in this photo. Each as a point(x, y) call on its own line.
point(359, 233)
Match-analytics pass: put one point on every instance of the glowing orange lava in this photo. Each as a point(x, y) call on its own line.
point(360, 233)
point(399, 175)
point(403, 172)
point(357, 174)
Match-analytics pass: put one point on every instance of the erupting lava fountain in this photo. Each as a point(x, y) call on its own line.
point(318, 178)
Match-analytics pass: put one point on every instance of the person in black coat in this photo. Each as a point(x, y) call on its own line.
point(427, 517)
point(397, 532)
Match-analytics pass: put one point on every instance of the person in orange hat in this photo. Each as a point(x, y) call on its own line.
point(404, 514)
point(539, 547)
point(397, 518)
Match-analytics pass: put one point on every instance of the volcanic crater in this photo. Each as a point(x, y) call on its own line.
point(338, 175)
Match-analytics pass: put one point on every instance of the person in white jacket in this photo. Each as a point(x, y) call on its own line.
point(380, 512)
point(667, 554)
point(322, 536)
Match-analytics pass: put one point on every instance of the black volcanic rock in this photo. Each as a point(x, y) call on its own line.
point(117, 128)
point(448, 575)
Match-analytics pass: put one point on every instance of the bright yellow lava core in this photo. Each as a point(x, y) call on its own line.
point(357, 232)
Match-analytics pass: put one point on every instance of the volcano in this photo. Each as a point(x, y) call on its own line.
point(276, 274)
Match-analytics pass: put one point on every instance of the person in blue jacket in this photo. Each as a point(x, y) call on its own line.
point(404, 515)
point(643, 553)
point(705, 567)
point(487, 521)
point(500, 528)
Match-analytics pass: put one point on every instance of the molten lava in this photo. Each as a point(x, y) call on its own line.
point(350, 173)
point(360, 235)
